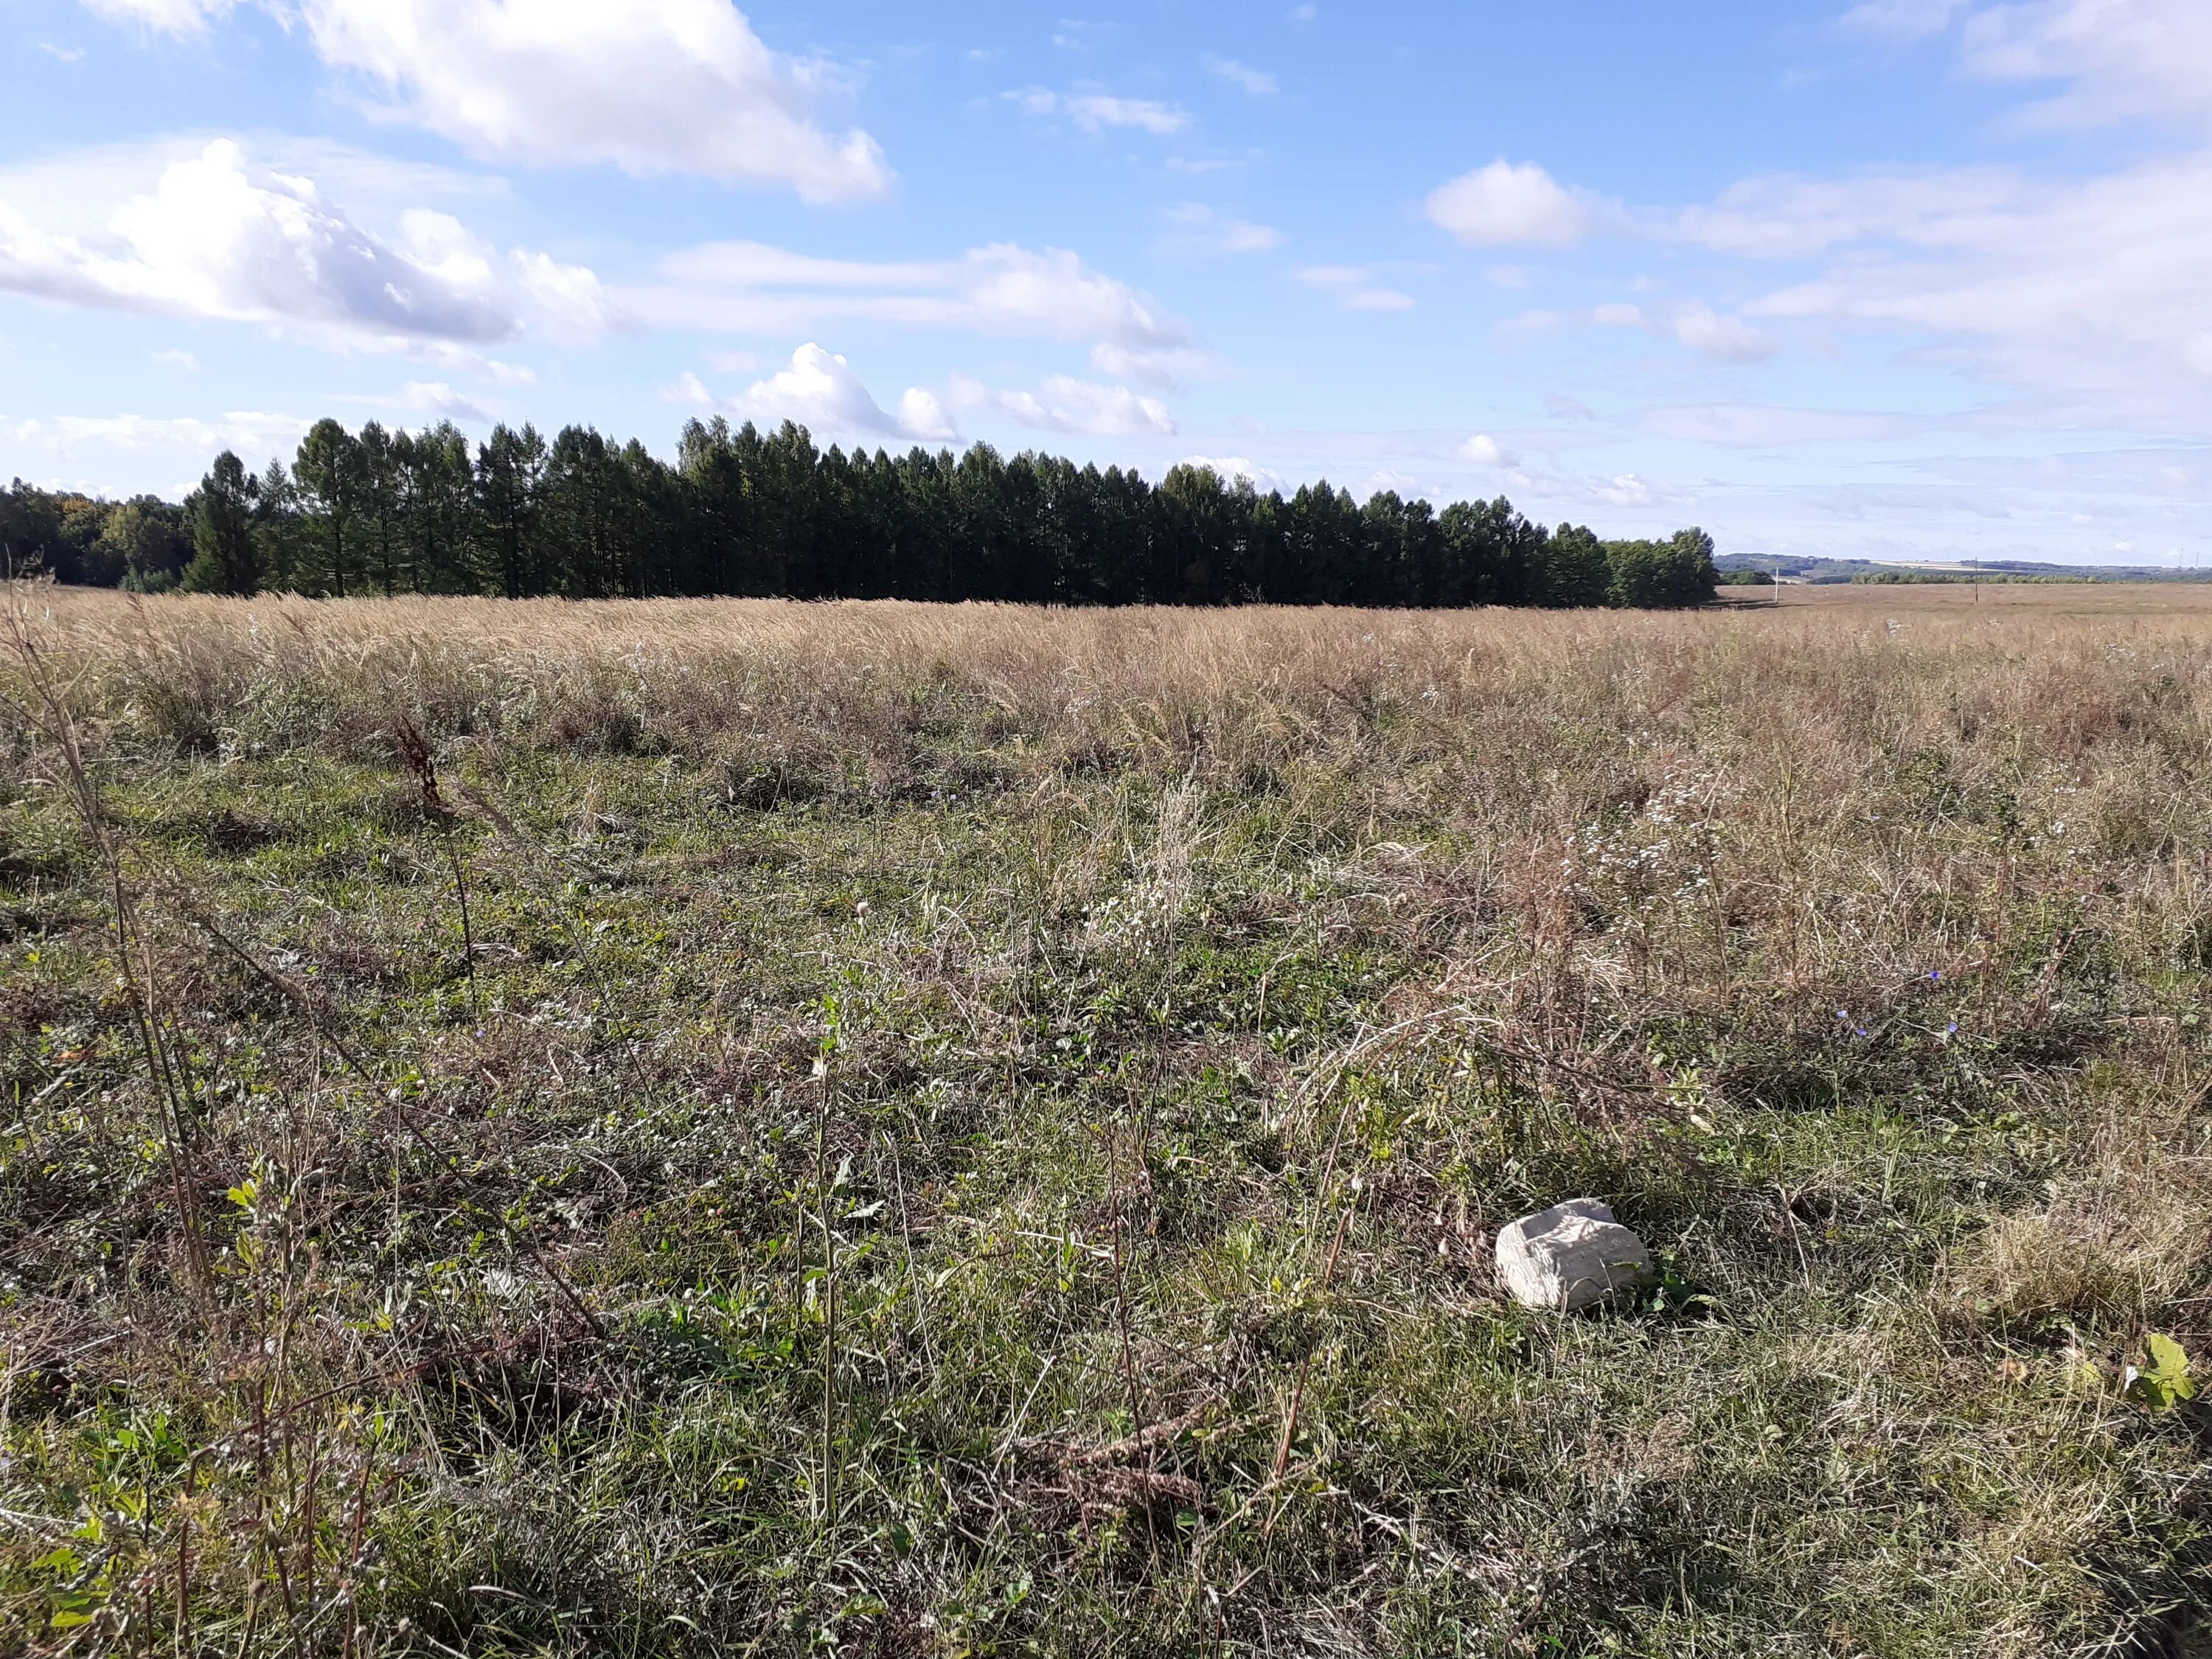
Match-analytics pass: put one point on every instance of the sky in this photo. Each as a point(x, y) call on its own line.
point(1894, 279)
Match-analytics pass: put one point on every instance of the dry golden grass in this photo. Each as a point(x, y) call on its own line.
point(962, 1130)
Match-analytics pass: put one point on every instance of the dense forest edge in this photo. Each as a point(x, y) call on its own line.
point(743, 512)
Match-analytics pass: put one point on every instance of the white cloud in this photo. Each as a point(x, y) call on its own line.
point(921, 414)
point(1163, 368)
point(163, 17)
point(1201, 228)
point(1903, 20)
point(1094, 112)
point(2126, 58)
point(1258, 83)
point(1398, 484)
point(688, 388)
point(1062, 404)
point(437, 397)
point(1502, 204)
point(1355, 287)
point(243, 430)
point(1054, 292)
point(1784, 216)
point(1730, 339)
point(1001, 290)
point(1485, 450)
point(1751, 426)
point(819, 391)
point(1233, 469)
point(182, 359)
point(1626, 490)
point(647, 86)
point(219, 237)
point(2085, 293)
point(571, 297)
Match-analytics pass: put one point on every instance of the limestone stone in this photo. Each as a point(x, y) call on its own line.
point(1569, 1257)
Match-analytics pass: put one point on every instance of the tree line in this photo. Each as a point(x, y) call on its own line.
point(742, 511)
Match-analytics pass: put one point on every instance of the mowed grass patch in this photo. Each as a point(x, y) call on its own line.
point(679, 1128)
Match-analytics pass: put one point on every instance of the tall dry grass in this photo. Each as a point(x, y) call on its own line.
point(970, 1129)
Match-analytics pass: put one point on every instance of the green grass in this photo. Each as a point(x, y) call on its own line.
point(1156, 1061)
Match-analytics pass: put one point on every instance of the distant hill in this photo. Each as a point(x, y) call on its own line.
point(1794, 567)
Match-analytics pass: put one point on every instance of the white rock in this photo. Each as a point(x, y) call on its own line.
point(1569, 1257)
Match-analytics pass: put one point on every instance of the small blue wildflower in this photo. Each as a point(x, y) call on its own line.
point(1934, 975)
point(1843, 1013)
point(1861, 1029)
point(1952, 1029)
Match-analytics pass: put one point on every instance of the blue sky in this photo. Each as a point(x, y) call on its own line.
point(1906, 278)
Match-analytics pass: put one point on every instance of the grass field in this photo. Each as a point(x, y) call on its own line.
point(739, 1128)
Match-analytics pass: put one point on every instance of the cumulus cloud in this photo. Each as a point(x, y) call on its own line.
point(1258, 83)
point(1398, 484)
point(1503, 204)
point(922, 415)
point(1626, 490)
point(647, 86)
point(1235, 468)
point(1355, 287)
point(218, 237)
point(819, 391)
point(1094, 112)
point(1485, 450)
point(1065, 405)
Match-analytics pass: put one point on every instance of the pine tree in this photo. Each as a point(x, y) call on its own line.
point(225, 558)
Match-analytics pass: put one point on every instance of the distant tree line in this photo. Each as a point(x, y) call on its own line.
point(1956, 578)
point(746, 512)
point(143, 544)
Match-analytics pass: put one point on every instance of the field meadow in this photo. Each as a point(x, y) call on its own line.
point(745, 1128)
